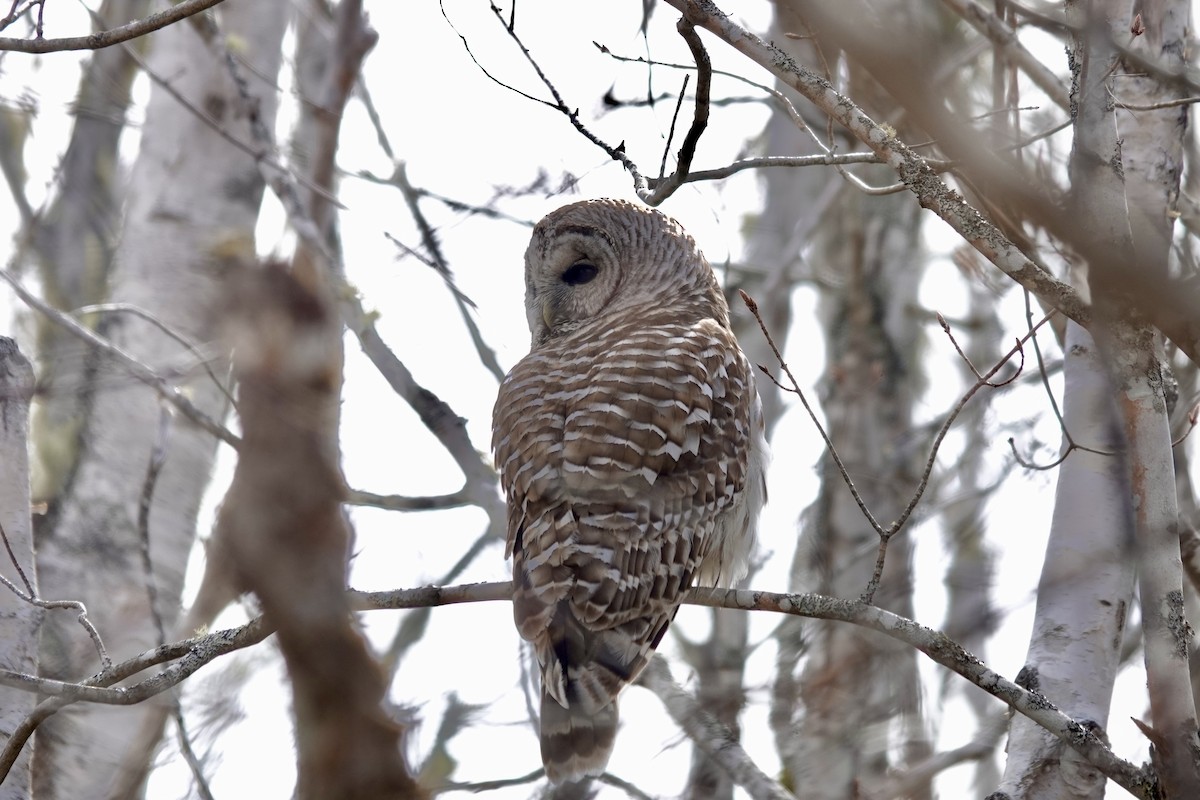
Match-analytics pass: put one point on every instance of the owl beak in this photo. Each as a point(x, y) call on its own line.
point(547, 315)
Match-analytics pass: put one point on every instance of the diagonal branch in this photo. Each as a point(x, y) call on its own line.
point(713, 738)
point(917, 175)
point(168, 392)
point(101, 39)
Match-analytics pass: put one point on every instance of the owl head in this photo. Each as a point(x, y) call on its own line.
point(599, 257)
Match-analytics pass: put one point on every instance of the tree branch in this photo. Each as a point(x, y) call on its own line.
point(195, 653)
point(102, 39)
point(916, 174)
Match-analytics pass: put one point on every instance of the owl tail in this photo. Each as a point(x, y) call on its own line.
point(576, 743)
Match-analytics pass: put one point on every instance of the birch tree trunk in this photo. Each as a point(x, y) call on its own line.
point(1125, 172)
point(19, 619)
point(193, 201)
point(856, 712)
point(73, 243)
point(1085, 587)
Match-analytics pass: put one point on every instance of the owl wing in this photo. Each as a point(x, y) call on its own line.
point(617, 456)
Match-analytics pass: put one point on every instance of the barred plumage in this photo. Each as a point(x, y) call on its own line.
point(630, 448)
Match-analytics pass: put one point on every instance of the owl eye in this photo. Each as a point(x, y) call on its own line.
point(579, 274)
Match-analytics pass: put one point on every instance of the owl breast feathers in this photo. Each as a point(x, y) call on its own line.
point(631, 452)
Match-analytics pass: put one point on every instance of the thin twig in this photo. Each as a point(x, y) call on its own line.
point(16, 562)
point(1192, 417)
point(158, 457)
point(478, 787)
point(1180, 101)
point(616, 153)
point(195, 765)
point(395, 502)
point(950, 335)
point(687, 151)
point(885, 535)
point(32, 598)
point(1012, 445)
point(662, 167)
point(168, 392)
point(201, 358)
point(795, 389)
point(438, 261)
point(15, 14)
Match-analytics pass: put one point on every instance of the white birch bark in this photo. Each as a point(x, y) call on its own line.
point(1084, 590)
point(1125, 172)
point(193, 201)
point(74, 241)
point(19, 619)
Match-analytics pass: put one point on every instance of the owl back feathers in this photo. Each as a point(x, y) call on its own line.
point(626, 444)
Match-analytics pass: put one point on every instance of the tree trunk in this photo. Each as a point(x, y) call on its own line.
point(19, 618)
point(1085, 588)
point(193, 201)
point(1125, 172)
point(73, 242)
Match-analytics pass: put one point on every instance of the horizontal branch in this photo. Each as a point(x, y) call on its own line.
point(102, 39)
point(196, 652)
point(938, 646)
point(396, 502)
point(947, 652)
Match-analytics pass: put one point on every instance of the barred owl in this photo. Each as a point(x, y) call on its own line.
point(630, 448)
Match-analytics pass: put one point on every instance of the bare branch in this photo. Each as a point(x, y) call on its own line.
point(171, 394)
point(713, 738)
point(189, 754)
point(195, 653)
point(1007, 43)
point(128, 308)
point(31, 597)
point(395, 502)
point(687, 151)
point(487, 355)
point(108, 38)
point(615, 153)
point(158, 457)
point(885, 534)
point(917, 175)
